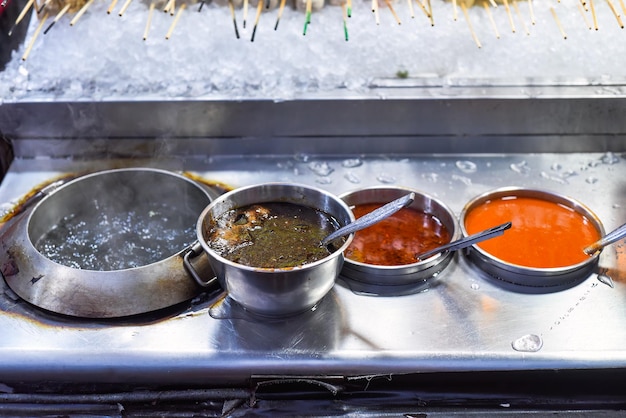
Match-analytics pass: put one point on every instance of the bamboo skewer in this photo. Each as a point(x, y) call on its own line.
point(176, 19)
point(112, 6)
point(423, 8)
point(519, 14)
point(621, 3)
point(510, 15)
point(124, 7)
point(281, 8)
point(57, 17)
point(411, 11)
point(493, 22)
point(245, 12)
point(232, 13)
point(469, 24)
point(345, 16)
point(493, 3)
point(616, 14)
point(430, 13)
point(21, 15)
point(582, 12)
point(168, 6)
point(43, 6)
point(349, 9)
point(531, 10)
point(149, 21)
point(307, 19)
point(81, 12)
point(593, 15)
point(259, 9)
point(375, 11)
point(558, 22)
point(35, 35)
point(455, 15)
point(393, 12)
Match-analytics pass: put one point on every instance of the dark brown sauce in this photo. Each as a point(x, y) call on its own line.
point(396, 240)
point(272, 235)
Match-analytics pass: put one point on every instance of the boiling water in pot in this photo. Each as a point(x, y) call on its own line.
point(115, 240)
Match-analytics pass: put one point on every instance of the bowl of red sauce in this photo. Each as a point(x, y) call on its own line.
point(543, 247)
point(385, 253)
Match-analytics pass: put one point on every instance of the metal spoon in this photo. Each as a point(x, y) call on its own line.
point(467, 241)
point(613, 236)
point(371, 218)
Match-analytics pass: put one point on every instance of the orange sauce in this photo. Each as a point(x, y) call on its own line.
point(543, 234)
point(396, 240)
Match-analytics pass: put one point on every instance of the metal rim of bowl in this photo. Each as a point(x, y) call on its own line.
point(228, 196)
point(543, 273)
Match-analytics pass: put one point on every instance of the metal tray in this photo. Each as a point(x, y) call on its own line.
point(460, 322)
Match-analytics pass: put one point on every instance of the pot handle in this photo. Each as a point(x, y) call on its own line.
point(194, 251)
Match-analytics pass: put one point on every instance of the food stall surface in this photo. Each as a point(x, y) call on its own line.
point(462, 321)
point(411, 105)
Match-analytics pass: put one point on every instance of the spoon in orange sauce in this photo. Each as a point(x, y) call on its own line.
point(466, 241)
point(613, 236)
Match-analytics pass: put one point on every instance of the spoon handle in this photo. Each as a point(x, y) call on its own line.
point(371, 218)
point(609, 238)
point(467, 241)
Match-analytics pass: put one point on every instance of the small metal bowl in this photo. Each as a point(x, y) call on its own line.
point(406, 274)
point(553, 278)
point(276, 292)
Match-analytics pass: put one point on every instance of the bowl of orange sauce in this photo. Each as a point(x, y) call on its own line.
point(384, 253)
point(543, 247)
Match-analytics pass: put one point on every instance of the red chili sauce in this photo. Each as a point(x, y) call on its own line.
point(543, 234)
point(396, 240)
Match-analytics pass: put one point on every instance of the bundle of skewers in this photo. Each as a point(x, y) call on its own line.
point(50, 12)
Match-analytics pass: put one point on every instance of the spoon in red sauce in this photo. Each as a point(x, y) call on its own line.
point(466, 241)
point(613, 236)
point(371, 218)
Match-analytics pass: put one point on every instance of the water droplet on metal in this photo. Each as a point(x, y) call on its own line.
point(386, 178)
point(301, 157)
point(556, 167)
point(591, 180)
point(352, 178)
point(610, 158)
point(605, 279)
point(432, 177)
point(616, 206)
point(528, 343)
point(352, 162)
point(521, 168)
point(466, 166)
point(465, 180)
point(323, 180)
point(321, 168)
point(474, 286)
point(557, 179)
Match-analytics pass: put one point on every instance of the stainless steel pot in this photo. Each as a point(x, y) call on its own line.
point(94, 293)
point(523, 278)
point(276, 291)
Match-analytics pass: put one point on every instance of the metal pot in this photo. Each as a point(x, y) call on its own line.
point(96, 293)
point(276, 291)
point(523, 278)
point(408, 274)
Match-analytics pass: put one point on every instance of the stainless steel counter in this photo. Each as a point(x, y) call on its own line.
point(463, 321)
